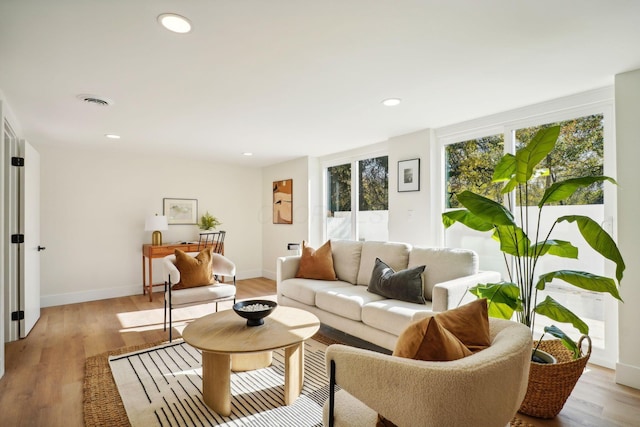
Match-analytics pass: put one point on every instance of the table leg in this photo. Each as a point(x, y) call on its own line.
point(216, 382)
point(144, 277)
point(293, 372)
point(150, 279)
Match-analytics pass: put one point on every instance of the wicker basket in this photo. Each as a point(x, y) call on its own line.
point(551, 384)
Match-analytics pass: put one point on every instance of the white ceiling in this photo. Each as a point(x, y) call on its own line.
point(288, 78)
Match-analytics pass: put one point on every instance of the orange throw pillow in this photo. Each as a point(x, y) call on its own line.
point(316, 263)
point(194, 271)
point(469, 323)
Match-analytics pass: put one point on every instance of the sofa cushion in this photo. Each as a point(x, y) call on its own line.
point(393, 316)
point(316, 263)
point(346, 259)
point(304, 290)
point(194, 271)
point(345, 301)
point(442, 264)
point(395, 255)
point(201, 294)
point(404, 285)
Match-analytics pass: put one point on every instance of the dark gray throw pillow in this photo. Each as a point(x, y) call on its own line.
point(404, 285)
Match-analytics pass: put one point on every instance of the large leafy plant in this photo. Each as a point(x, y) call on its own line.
point(522, 245)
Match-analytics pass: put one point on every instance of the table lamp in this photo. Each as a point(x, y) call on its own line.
point(156, 223)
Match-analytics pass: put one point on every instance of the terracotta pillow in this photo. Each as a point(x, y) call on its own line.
point(427, 339)
point(316, 263)
point(194, 271)
point(469, 323)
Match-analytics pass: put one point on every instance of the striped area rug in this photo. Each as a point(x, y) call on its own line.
point(162, 386)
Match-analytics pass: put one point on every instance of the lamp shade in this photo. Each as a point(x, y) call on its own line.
point(156, 223)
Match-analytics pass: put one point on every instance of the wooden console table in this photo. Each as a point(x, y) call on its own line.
point(150, 252)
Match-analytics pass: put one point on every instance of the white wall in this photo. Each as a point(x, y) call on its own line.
point(94, 204)
point(627, 97)
point(412, 218)
point(276, 236)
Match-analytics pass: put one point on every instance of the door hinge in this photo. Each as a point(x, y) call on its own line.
point(17, 238)
point(17, 161)
point(17, 315)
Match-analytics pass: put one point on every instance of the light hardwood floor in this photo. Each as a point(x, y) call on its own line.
point(42, 385)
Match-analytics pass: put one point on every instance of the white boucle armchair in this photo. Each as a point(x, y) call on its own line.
point(484, 389)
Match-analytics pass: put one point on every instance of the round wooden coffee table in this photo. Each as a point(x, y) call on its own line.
point(226, 340)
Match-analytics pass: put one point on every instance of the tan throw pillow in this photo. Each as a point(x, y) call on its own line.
point(469, 323)
point(194, 271)
point(316, 263)
point(427, 339)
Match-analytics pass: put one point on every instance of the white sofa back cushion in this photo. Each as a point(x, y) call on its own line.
point(395, 255)
point(346, 259)
point(442, 264)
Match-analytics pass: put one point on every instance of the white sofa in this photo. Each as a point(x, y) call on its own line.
point(346, 305)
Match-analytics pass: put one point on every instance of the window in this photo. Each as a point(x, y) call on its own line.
point(370, 179)
point(579, 152)
point(581, 147)
point(469, 166)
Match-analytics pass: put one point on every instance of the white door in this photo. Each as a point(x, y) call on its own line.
point(30, 221)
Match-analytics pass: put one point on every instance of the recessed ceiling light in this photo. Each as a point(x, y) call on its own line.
point(247, 154)
point(175, 23)
point(391, 102)
point(112, 136)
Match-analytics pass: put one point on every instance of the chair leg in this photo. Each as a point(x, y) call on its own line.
point(332, 389)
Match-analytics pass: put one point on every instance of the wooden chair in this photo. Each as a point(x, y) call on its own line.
point(217, 292)
point(215, 239)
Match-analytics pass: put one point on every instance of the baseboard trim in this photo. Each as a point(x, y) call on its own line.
point(628, 375)
point(90, 295)
point(123, 291)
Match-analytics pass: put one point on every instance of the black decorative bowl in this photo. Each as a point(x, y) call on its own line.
point(254, 310)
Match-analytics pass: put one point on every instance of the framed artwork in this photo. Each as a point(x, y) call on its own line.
point(180, 211)
point(409, 175)
point(283, 201)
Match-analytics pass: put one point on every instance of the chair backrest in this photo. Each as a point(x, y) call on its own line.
point(215, 239)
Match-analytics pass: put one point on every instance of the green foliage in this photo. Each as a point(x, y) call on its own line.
point(373, 185)
point(208, 222)
point(518, 295)
point(339, 188)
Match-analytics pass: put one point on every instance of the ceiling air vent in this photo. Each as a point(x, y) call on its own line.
point(95, 100)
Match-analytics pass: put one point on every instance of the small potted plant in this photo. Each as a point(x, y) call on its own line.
point(208, 222)
point(523, 242)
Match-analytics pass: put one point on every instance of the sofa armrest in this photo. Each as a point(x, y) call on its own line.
point(286, 268)
point(453, 293)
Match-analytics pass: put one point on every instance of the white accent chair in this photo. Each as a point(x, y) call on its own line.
point(217, 292)
point(484, 389)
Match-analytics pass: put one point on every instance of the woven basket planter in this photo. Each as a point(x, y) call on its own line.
point(551, 384)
